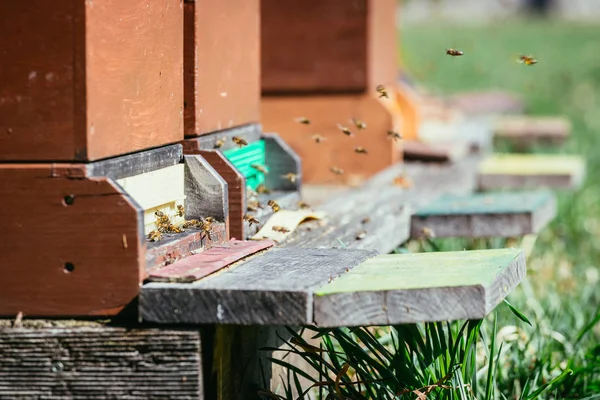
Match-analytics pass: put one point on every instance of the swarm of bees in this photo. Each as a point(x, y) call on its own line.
point(274, 206)
point(251, 219)
point(527, 60)
point(280, 229)
point(454, 52)
point(239, 141)
point(260, 168)
point(290, 177)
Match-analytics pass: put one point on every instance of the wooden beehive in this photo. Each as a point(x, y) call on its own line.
point(323, 59)
point(86, 80)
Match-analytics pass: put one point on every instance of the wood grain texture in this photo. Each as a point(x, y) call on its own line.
point(68, 361)
point(485, 215)
point(439, 152)
point(273, 289)
point(81, 259)
point(206, 192)
point(442, 286)
point(281, 160)
point(325, 112)
point(207, 262)
point(221, 61)
point(110, 82)
point(518, 171)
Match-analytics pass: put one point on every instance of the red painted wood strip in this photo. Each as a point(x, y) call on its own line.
point(201, 265)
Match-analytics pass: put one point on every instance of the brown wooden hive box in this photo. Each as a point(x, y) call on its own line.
point(85, 80)
point(75, 238)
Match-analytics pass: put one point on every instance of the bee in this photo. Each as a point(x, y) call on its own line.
point(290, 177)
point(359, 124)
point(360, 150)
point(427, 232)
point(254, 206)
point(173, 229)
point(180, 210)
point(403, 181)
point(274, 206)
point(454, 52)
point(281, 229)
point(206, 227)
point(365, 220)
point(260, 168)
point(393, 135)
point(262, 189)
point(382, 91)
point(345, 130)
point(336, 170)
point(303, 120)
point(154, 236)
point(239, 141)
point(209, 220)
point(318, 138)
point(220, 142)
point(303, 205)
point(251, 220)
point(527, 60)
point(360, 235)
point(190, 223)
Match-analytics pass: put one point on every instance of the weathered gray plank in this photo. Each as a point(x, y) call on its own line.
point(286, 200)
point(273, 289)
point(422, 287)
point(281, 160)
point(65, 360)
point(485, 215)
point(206, 191)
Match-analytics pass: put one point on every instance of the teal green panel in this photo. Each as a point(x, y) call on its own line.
point(243, 158)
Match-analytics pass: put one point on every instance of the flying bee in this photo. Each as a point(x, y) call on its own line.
point(274, 206)
point(318, 138)
point(302, 120)
point(403, 182)
point(336, 170)
point(281, 229)
point(365, 220)
point(360, 150)
point(303, 205)
point(262, 189)
point(393, 135)
point(180, 210)
point(290, 176)
point(360, 235)
point(345, 130)
point(260, 168)
point(359, 124)
point(251, 220)
point(254, 206)
point(527, 60)
point(454, 52)
point(154, 236)
point(239, 141)
point(427, 232)
point(220, 142)
point(382, 91)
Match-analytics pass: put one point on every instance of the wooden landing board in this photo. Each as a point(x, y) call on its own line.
point(421, 287)
point(83, 360)
point(438, 152)
point(485, 215)
point(273, 289)
point(203, 264)
point(287, 219)
point(515, 171)
point(524, 131)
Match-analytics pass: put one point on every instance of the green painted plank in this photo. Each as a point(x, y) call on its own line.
point(243, 158)
point(487, 203)
point(423, 270)
point(532, 164)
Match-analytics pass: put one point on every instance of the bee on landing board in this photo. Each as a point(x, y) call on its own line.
point(454, 52)
point(260, 168)
point(527, 60)
point(360, 150)
point(251, 219)
point(206, 227)
point(365, 220)
point(393, 135)
point(403, 182)
point(382, 91)
point(274, 206)
point(280, 229)
point(360, 235)
point(290, 177)
point(303, 205)
point(180, 210)
point(336, 170)
point(302, 120)
point(239, 141)
point(345, 130)
point(358, 123)
point(154, 236)
point(220, 142)
point(190, 223)
point(318, 138)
